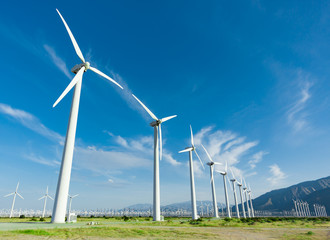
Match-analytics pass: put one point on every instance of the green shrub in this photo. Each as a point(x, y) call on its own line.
point(22, 216)
point(42, 219)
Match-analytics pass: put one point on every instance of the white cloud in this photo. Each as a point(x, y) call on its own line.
point(276, 175)
point(296, 115)
point(30, 121)
point(43, 161)
point(224, 146)
point(256, 158)
point(58, 61)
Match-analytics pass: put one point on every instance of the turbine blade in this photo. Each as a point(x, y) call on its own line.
point(75, 45)
point(220, 172)
point(199, 159)
point(226, 168)
point(208, 155)
point(186, 150)
point(73, 82)
point(105, 76)
point(145, 108)
point(168, 118)
point(17, 186)
point(192, 136)
point(47, 190)
point(232, 173)
point(9, 194)
point(160, 141)
point(20, 196)
point(50, 197)
point(217, 163)
point(41, 197)
point(75, 196)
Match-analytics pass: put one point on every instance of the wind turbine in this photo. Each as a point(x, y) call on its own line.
point(62, 190)
point(192, 182)
point(241, 195)
point(233, 180)
point(157, 149)
point(211, 163)
point(71, 197)
point(12, 205)
point(246, 198)
point(249, 192)
point(45, 202)
point(224, 173)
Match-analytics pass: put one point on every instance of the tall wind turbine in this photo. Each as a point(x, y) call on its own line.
point(157, 149)
point(241, 195)
point(246, 198)
point(71, 197)
point(12, 205)
point(250, 192)
point(233, 180)
point(45, 202)
point(192, 181)
point(211, 163)
point(224, 173)
point(62, 190)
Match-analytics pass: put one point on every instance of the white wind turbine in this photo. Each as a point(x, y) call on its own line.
point(13, 203)
point(192, 181)
point(45, 202)
point(157, 149)
point(211, 163)
point(62, 190)
point(71, 197)
point(233, 180)
point(250, 193)
point(246, 198)
point(241, 195)
point(224, 173)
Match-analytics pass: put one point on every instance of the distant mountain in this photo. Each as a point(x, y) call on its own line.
point(317, 191)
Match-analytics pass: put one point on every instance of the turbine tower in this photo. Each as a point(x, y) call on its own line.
point(13, 203)
point(211, 163)
point(241, 195)
point(45, 202)
point(192, 182)
point(224, 173)
point(233, 180)
point(62, 190)
point(157, 149)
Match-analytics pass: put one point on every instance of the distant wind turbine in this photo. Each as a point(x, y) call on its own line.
point(233, 180)
point(13, 203)
point(192, 181)
point(246, 198)
point(45, 202)
point(157, 149)
point(224, 173)
point(62, 190)
point(241, 196)
point(71, 197)
point(250, 193)
point(211, 163)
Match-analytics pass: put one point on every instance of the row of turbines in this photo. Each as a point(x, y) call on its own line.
point(45, 197)
point(60, 202)
point(302, 209)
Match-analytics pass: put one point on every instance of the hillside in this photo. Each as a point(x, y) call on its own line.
point(317, 191)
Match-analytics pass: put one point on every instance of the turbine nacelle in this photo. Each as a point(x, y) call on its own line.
point(156, 123)
point(77, 67)
point(210, 163)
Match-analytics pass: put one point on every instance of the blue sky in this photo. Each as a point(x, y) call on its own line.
point(251, 77)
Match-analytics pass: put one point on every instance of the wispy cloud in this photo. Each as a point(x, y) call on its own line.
point(224, 146)
point(42, 160)
point(256, 158)
point(30, 121)
point(276, 175)
point(57, 61)
point(296, 115)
